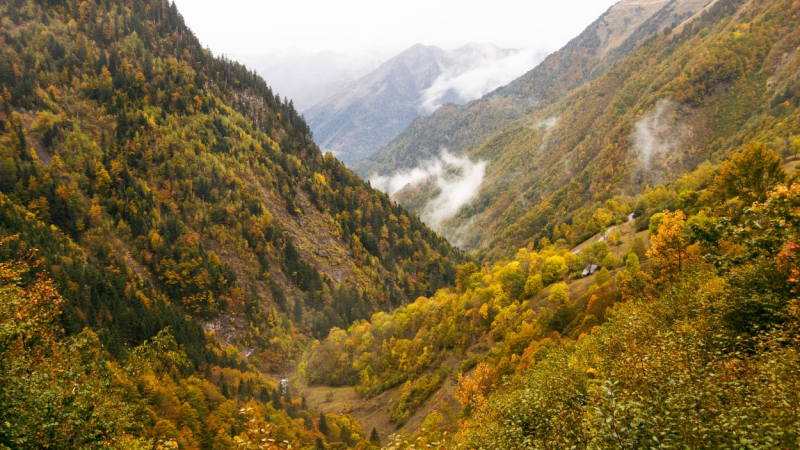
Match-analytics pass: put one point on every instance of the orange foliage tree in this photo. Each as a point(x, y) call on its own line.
point(473, 390)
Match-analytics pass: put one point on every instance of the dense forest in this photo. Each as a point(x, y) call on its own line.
point(174, 248)
point(167, 200)
point(688, 340)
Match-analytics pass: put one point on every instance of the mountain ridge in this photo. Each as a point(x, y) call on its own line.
point(483, 127)
point(373, 109)
point(458, 127)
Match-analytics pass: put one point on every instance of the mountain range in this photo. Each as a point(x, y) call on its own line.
point(369, 112)
point(540, 123)
point(626, 212)
point(181, 266)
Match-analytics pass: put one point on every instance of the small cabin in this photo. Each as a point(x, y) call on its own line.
point(590, 269)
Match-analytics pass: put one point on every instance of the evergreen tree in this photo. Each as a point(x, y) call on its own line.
point(323, 424)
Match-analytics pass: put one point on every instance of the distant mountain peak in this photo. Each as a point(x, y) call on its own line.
point(371, 111)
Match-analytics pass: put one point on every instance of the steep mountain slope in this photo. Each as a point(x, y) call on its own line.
point(604, 42)
point(680, 98)
point(371, 111)
point(168, 192)
point(190, 167)
point(692, 139)
point(683, 98)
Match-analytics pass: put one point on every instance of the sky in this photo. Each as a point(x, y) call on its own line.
point(261, 27)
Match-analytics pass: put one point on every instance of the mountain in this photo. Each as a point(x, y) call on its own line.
point(526, 131)
point(604, 42)
point(309, 78)
point(190, 165)
point(371, 111)
point(639, 286)
point(181, 267)
point(170, 236)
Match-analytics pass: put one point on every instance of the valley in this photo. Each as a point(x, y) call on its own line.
point(600, 251)
point(373, 412)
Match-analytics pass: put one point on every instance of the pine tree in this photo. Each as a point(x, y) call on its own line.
point(264, 395)
point(276, 400)
point(323, 424)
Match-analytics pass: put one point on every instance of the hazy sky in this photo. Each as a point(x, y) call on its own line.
point(256, 27)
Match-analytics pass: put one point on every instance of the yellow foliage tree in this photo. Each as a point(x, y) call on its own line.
point(668, 248)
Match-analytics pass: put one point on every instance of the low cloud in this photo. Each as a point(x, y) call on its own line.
point(487, 71)
point(457, 178)
point(402, 178)
point(548, 124)
point(659, 132)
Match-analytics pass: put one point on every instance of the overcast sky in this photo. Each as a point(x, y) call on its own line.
point(259, 27)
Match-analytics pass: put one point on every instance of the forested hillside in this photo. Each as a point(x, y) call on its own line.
point(691, 143)
point(683, 95)
point(689, 341)
point(195, 233)
point(143, 149)
point(458, 128)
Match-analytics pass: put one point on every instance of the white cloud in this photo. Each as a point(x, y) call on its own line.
point(410, 177)
point(485, 73)
point(659, 132)
point(548, 124)
point(457, 178)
